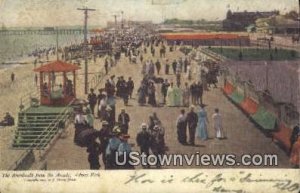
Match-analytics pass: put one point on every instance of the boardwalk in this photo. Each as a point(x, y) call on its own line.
point(243, 136)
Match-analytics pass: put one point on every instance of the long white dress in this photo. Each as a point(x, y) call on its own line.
point(170, 97)
point(186, 97)
point(217, 124)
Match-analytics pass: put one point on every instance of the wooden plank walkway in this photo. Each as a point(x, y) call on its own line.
point(243, 136)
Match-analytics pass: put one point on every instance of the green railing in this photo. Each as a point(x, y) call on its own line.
point(97, 78)
point(53, 126)
point(19, 161)
point(213, 54)
point(26, 99)
point(46, 137)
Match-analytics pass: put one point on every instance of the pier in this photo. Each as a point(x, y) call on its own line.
point(40, 32)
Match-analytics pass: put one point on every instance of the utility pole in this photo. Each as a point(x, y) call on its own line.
point(115, 16)
point(122, 24)
point(57, 57)
point(85, 47)
point(299, 23)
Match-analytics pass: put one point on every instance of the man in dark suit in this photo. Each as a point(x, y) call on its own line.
point(123, 120)
point(193, 89)
point(92, 98)
point(294, 136)
point(130, 86)
point(123, 89)
point(164, 89)
point(199, 93)
point(192, 120)
point(104, 136)
point(158, 66)
point(143, 140)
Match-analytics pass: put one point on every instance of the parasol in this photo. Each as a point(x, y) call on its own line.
point(80, 102)
point(86, 136)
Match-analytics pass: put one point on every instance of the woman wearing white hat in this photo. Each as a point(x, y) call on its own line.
point(112, 148)
point(102, 106)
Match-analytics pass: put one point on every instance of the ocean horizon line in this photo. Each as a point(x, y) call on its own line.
point(43, 27)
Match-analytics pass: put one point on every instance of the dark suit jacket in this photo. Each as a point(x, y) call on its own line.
point(192, 119)
point(295, 134)
point(126, 118)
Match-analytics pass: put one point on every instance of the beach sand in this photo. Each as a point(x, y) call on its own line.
point(24, 84)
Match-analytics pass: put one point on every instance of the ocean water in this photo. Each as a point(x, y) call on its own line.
point(15, 47)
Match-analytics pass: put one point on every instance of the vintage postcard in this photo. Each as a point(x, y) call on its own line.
point(149, 96)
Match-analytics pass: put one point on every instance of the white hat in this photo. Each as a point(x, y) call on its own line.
point(144, 125)
point(192, 107)
point(105, 123)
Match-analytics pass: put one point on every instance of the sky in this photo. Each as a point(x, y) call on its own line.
point(41, 13)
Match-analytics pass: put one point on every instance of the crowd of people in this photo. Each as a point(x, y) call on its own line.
point(198, 125)
point(113, 135)
point(111, 139)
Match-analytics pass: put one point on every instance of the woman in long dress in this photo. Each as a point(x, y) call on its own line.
point(189, 72)
point(151, 94)
point(142, 94)
point(102, 107)
point(217, 124)
point(186, 93)
point(177, 96)
point(170, 95)
point(167, 67)
point(202, 124)
point(89, 117)
point(144, 68)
